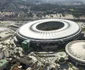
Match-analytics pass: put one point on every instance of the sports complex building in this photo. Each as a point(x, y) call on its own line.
point(49, 32)
point(76, 51)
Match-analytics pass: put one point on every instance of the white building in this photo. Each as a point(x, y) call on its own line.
point(48, 32)
point(76, 51)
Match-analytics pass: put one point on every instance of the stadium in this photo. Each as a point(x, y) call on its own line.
point(49, 31)
point(76, 50)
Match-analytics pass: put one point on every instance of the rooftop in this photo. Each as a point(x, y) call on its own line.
point(58, 29)
point(76, 50)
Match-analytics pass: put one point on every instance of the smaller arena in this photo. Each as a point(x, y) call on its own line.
point(76, 51)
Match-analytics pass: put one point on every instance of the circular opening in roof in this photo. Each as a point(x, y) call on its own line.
point(52, 25)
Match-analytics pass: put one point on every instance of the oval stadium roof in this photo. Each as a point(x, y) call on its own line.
point(49, 29)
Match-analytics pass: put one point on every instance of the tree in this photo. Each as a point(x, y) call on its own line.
point(51, 15)
point(30, 14)
point(77, 15)
point(63, 15)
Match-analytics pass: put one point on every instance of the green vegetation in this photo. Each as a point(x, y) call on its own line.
point(62, 60)
point(83, 29)
point(26, 9)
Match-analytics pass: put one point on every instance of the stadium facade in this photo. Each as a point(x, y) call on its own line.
point(49, 32)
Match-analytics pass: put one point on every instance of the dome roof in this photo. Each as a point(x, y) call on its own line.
point(76, 50)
